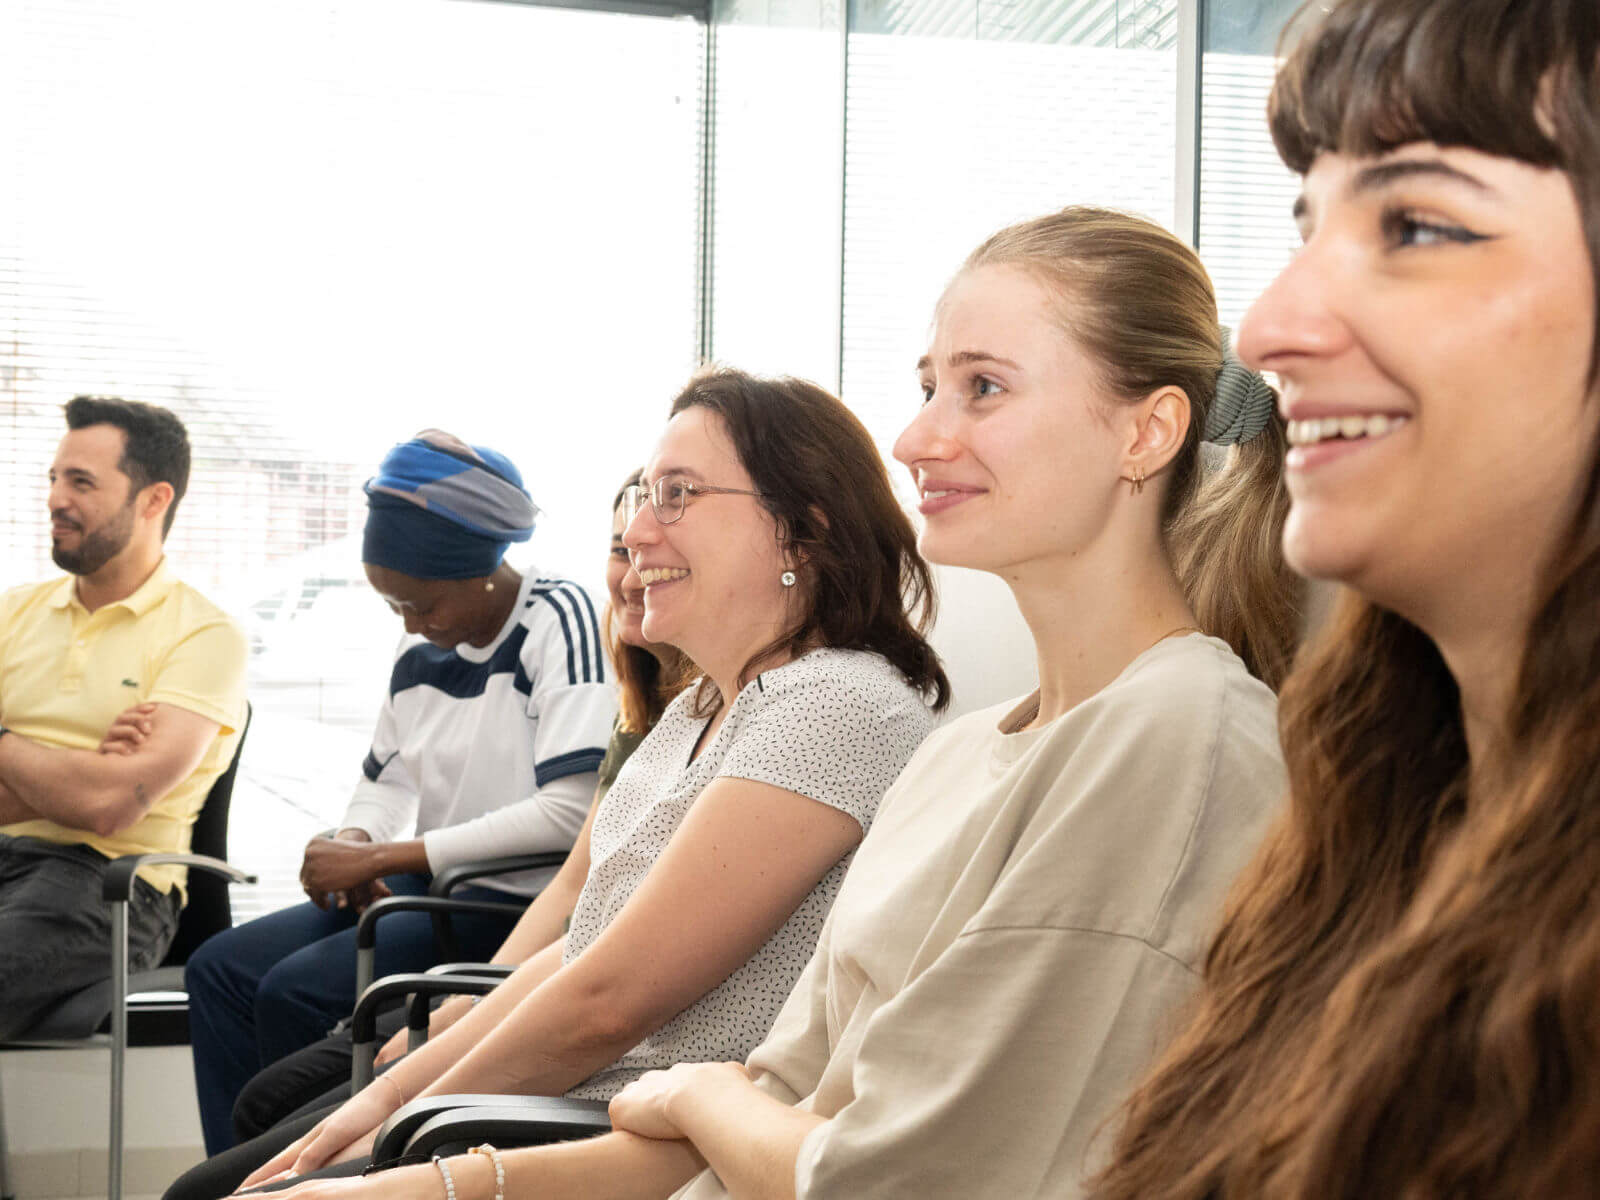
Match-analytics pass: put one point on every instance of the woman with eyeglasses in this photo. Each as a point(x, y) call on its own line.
point(649, 675)
point(774, 554)
point(1031, 910)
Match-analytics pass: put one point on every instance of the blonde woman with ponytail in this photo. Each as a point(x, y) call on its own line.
point(1019, 931)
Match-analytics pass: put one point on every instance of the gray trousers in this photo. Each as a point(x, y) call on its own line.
point(55, 930)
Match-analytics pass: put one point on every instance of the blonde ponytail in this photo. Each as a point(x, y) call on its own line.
point(1226, 545)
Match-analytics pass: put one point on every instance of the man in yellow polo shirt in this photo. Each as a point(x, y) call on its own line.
point(76, 655)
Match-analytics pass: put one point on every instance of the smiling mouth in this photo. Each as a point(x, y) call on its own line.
point(654, 575)
point(933, 501)
point(1353, 427)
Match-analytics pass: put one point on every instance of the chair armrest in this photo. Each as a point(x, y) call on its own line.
point(447, 880)
point(419, 1011)
point(483, 970)
point(431, 1124)
point(118, 882)
point(367, 926)
point(364, 1021)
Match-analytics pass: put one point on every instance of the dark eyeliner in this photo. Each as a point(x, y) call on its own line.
point(1399, 225)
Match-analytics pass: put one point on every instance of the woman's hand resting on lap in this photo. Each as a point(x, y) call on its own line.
point(422, 1182)
point(340, 1136)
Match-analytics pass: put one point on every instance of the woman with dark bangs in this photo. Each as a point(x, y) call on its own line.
point(1402, 1001)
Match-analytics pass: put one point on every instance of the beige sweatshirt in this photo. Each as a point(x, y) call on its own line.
point(1019, 933)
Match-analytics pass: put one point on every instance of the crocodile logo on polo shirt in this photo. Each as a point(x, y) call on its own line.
point(130, 683)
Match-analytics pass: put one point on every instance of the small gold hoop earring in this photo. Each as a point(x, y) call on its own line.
point(1138, 480)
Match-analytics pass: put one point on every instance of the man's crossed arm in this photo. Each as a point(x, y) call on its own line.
point(103, 793)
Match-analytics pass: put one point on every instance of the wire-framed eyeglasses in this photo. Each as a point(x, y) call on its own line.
point(670, 495)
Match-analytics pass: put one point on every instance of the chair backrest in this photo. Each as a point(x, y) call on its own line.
point(209, 909)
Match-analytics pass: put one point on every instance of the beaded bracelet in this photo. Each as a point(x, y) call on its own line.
point(499, 1169)
point(444, 1173)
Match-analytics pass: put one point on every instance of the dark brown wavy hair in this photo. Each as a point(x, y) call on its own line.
point(863, 584)
point(645, 684)
point(1404, 1000)
point(1140, 302)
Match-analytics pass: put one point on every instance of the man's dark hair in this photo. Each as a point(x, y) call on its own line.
point(155, 443)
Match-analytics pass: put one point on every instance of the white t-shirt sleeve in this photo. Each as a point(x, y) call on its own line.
point(839, 736)
point(385, 799)
point(548, 820)
point(563, 670)
point(571, 708)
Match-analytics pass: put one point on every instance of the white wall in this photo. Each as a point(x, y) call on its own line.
point(986, 648)
point(57, 1114)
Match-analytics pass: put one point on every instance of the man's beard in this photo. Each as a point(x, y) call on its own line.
point(97, 547)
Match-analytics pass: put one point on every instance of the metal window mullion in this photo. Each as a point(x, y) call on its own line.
point(846, 7)
point(1186, 174)
point(705, 349)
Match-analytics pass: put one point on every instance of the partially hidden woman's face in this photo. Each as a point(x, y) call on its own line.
point(1016, 449)
point(712, 577)
point(1432, 337)
point(447, 612)
point(625, 587)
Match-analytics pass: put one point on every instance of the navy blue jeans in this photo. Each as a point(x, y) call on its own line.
point(55, 930)
point(267, 988)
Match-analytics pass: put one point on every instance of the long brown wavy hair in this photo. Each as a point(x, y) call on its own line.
point(1141, 304)
point(862, 583)
point(1403, 998)
point(646, 684)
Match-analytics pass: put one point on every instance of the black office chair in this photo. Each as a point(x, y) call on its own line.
point(440, 906)
point(149, 1008)
point(446, 1125)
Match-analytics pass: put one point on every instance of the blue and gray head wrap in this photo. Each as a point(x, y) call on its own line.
point(441, 509)
point(1244, 402)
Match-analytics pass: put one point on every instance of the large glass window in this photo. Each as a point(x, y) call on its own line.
point(777, 186)
point(958, 116)
point(1246, 193)
point(863, 147)
point(965, 115)
point(312, 228)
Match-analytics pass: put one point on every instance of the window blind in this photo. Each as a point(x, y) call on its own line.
point(966, 116)
point(1247, 232)
point(312, 228)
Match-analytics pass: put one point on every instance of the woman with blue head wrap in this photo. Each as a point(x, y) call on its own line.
point(440, 516)
point(488, 743)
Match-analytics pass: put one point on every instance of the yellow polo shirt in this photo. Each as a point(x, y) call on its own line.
point(65, 674)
